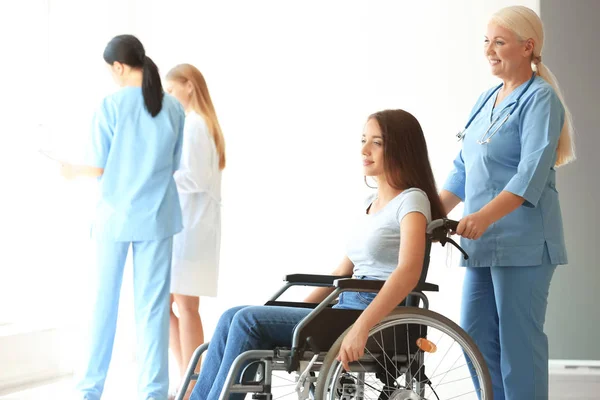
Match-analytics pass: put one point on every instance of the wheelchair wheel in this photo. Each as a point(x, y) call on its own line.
point(412, 354)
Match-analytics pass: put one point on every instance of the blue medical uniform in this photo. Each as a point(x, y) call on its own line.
point(510, 267)
point(138, 207)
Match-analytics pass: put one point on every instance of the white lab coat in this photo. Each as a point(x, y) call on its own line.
point(195, 265)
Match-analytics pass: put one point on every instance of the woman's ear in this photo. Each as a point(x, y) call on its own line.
point(529, 46)
point(118, 68)
point(189, 88)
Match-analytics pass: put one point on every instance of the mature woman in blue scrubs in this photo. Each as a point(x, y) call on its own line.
point(516, 135)
point(135, 148)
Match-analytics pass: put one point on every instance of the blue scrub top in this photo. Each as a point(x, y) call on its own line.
point(520, 159)
point(139, 154)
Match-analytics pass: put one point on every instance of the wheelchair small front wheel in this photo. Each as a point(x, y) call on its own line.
point(412, 354)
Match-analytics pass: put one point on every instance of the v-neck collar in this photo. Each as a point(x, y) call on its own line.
point(505, 102)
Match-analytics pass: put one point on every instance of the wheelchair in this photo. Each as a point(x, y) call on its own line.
point(412, 354)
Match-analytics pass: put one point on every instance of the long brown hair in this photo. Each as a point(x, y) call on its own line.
point(405, 156)
point(201, 103)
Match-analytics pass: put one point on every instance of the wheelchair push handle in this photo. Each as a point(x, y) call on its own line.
point(440, 229)
point(442, 226)
point(451, 224)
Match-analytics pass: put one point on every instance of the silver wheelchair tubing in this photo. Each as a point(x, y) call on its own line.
point(258, 354)
point(229, 387)
point(269, 358)
point(290, 284)
point(190, 373)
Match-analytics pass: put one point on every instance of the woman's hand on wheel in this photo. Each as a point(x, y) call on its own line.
point(353, 346)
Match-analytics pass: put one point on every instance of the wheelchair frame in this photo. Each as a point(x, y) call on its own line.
point(304, 349)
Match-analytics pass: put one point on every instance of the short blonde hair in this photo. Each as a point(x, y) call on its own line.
point(526, 24)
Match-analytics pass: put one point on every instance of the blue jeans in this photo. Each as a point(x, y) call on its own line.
point(254, 328)
point(503, 310)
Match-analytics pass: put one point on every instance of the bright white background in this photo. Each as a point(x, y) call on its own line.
point(292, 82)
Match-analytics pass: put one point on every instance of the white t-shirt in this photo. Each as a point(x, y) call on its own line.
point(375, 241)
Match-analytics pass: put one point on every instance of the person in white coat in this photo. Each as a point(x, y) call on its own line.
point(195, 262)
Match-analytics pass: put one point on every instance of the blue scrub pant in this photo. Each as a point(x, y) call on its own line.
point(151, 285)
point(503, 310)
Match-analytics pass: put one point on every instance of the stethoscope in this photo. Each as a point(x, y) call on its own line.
point(487, 136)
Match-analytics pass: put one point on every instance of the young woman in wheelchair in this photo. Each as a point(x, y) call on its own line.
point(387, 244)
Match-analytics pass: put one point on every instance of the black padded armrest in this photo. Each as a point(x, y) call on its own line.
point(373, 285)
point(426, 287)
point(364, 284)
point(313, 279)
point(294, 304)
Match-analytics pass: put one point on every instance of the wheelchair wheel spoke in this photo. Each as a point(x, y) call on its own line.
point(455, 380)
point(292, 381)
point(407, 351)
point(387, 357)
point(286, 395)
point(283, 386)
point(446, 373)
point(438, 342)
point(445, 354)
point(387, 373)
point(417, 356)
point(462, 395)
point(450, 370)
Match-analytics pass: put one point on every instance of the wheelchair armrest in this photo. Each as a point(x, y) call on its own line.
point(306, 280)
point(358, 284)
point(374, 285)
point(313, 279)
point(426, 287)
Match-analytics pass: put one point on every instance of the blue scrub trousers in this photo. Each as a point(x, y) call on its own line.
point(151, 281)
point(503, 310)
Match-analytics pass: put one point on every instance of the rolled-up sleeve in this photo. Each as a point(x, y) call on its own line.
point(541, 122)
point(102, 132)
point(455, 183)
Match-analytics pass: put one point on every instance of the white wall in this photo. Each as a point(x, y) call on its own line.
point(292, 82)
